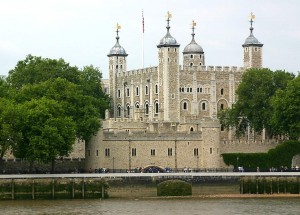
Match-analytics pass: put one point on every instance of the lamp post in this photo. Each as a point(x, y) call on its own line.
point(237, 163)
point(113, 159)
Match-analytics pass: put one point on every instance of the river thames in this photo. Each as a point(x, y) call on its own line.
point(190, 206)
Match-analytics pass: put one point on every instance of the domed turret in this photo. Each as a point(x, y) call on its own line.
point(168, 40)
point(252, 49)
point(117, 50)
point(193, 54)
point(193, 47)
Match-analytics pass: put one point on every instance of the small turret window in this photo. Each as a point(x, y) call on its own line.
point(191, 64)
point(184, 105)
point(222, 91)
point(192, 56)
point(200, 56)
point(156, 88)
point(175, 49)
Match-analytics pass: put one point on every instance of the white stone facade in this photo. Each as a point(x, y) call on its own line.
point(167, 115)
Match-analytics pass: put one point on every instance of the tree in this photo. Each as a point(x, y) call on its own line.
point(254, 107)
point(36, 70)
point(47, 132)
point(57, 103)
point(286, 114)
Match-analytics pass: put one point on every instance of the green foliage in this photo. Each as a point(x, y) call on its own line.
point(174, 188)
point(282, 155)
point(254, 107)
point(286, 115)
point(45, 104)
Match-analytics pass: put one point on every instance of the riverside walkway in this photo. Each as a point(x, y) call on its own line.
point(158, 175)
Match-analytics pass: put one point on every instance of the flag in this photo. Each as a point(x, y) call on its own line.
point(143, 21)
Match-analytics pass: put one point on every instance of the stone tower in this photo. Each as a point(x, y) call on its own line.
point(117, 64)
point(252, 49)
point(193, 54)
point(168, 76)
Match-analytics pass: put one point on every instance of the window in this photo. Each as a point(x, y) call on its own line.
point(184, 105)
point(156, 88)
point(97, 153)
point(191, 89)
point(191, 64)
point(196, 152)
point(169, 151)
point(127, 92)
point(146, 92)
point(107, 152)
point(128, 110)
point(137, 91)
point(203, 106)
point(222, 106)
point(156, 107)
point(133, 152)
point(200, 89)
point(222, 91)
point(147, 108)
point(121, 66)
point(200, 57)
point(137, 105)
point(187, 89)
point(182, 89)
point(191, 56)
point(211, 150)
point(116, 66)
point(175, 49)
point(152, 152)
point(119, 93)
point(222, 127)
point(191, 129)
point(119, 111)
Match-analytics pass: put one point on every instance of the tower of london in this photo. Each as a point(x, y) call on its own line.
point(166, 115)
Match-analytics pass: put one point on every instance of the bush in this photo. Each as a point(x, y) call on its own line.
point(174, 188)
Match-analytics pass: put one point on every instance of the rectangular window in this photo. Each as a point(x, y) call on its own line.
point(119, 93)
point(137, 91)
point(97, 153)
point(170, 152)
point(211, 150)
point(196, 152)
point(127, 92)
point(152, 152)
point(133, 152)
point(107, 152)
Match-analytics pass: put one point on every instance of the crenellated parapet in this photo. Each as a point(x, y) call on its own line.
point(138, 72)
point(225, 69)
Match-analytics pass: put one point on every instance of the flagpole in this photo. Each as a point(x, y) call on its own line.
point(143, 39)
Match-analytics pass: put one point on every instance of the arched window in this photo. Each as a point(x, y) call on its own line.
point(192, 56)
point(128, 110)
point(203, 106)
point(222, 91)
point(137, 105)
point(184, 105)
point(191, 64)
point(156, 107)
point(119, 111)
point(156, 88)
point(146, 108)
point(192, 129)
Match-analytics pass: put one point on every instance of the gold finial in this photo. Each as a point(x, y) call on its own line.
point(194, 23)
point(252, 16)
point(118, 27)
point(169, 15)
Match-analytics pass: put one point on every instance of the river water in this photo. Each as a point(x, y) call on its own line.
point(257, 206)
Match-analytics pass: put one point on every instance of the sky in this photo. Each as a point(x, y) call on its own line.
point(82, 32)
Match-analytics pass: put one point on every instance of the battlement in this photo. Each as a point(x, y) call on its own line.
point(230, 69)
point(138, 71)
